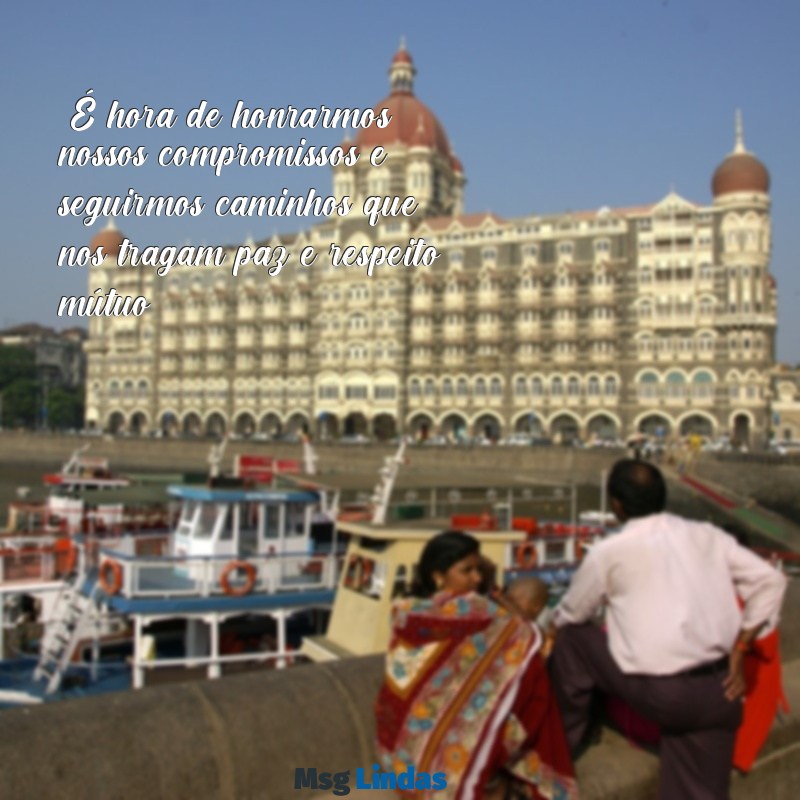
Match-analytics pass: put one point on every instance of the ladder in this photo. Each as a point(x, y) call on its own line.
point(63, 632)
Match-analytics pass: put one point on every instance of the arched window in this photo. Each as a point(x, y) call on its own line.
point(480, 387)
point(462, 388)
point(537, 387)
point(703, 385)
point(557, 387)
point(573, 387)
point(520, 387)
point(414, 388)
point(611, 386)
point(495, 387)
point(430, 387)
point(676, 385)
point(447, 387)
point(593, 386)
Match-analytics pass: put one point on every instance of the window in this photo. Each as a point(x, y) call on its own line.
point(593, 386)
point(611, 386)
point(520, 387)
point(385, 392)
point(480, 387)
point(573, 387)
point(557, 387)
point(496, 387)
point(358, 392)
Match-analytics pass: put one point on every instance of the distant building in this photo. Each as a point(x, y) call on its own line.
point(59, 355)
point(657, 318)
point(785, 403)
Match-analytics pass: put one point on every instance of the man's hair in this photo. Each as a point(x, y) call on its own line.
point(638, 487)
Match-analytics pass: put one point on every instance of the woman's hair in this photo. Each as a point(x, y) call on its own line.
point(438, 555)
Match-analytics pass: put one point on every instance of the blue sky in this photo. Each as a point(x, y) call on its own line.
point(550, 106)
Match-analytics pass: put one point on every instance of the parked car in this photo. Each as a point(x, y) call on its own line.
point(517, 440)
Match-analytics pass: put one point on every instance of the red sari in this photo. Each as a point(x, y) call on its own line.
point(466, 694)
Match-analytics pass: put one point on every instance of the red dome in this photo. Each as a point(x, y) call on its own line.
point(456, 164)
point(402, 56)
point(110, 239)
point(413, 124)
point(740, 172)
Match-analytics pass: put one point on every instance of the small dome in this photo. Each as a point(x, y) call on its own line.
point(402, 56)
point(741, 171)
point(413, 123)
point(110, 239)
point(456, 164)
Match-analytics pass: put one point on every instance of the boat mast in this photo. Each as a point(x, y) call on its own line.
point(383, 490)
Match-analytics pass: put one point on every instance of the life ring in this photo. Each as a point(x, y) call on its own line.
point(526, 555)
point(359, 573)
point(250, 578)
point(110, 576)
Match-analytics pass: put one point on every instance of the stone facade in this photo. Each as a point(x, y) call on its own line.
point(659, 318)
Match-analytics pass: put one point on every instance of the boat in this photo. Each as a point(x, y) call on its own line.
point(239, 552)
point(85, 496)
point(380, 567)
point(251, 569)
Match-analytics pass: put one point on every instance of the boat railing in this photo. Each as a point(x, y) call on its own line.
point(35, 559)
point(564, 545)
point(143, 576)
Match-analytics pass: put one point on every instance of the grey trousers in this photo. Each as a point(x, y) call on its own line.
point(698, 724)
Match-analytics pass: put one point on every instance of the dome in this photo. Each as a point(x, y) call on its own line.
point(413, 123)
point(110, 239)
point(741, 171)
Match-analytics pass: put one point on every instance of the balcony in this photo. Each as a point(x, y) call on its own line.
point(489, 299)
point(455, 301)
point(421, 302)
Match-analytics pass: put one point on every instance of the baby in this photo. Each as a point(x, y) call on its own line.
point(529, 595)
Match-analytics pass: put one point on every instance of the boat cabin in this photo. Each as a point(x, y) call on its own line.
point(379, 568)
point(244, 522)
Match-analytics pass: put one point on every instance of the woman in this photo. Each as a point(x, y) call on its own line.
point(466, 695)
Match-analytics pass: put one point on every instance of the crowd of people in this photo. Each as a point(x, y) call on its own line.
point(477, 690)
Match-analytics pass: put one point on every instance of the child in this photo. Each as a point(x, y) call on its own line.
point(530, 595)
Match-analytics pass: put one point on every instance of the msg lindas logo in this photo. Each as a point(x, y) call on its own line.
point(338, 783)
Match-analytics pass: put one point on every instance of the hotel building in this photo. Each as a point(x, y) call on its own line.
point(658, 318)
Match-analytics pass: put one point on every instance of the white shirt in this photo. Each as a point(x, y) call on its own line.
point(670, 586)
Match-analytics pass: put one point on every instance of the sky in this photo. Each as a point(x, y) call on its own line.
point(550, 106)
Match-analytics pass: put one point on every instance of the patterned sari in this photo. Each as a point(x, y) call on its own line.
point(467, 695)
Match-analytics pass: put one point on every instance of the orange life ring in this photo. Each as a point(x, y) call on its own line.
point(246, 587)
point(526, 555)
point(110, 576)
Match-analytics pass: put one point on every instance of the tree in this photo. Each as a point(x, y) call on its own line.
point(64, 408)
point(19, 403)
point(16, 363)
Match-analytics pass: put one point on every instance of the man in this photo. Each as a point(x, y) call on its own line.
point(676, 635)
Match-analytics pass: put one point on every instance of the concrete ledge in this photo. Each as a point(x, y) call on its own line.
point(241, 739)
